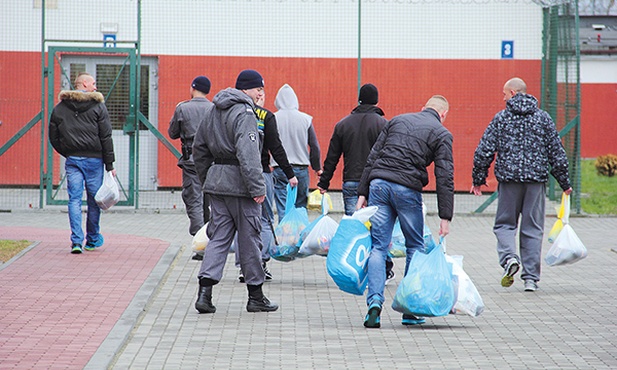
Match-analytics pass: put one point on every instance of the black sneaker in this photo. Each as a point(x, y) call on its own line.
point(76, 248)
point(240, 276)
point(390, 275)
point(372, 320)
point(197, 257)
point(412, 320)
point(262, 304)
point(512, 267)
point(267, 271)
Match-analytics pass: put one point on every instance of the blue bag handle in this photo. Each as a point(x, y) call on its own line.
point(324, 205)
point(290, 202)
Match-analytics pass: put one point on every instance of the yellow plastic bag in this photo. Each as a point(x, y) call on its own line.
point(314, 200)
point(563, 214)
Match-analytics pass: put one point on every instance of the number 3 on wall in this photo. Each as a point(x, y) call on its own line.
point(507, 49)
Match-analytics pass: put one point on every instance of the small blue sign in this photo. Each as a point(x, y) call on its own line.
point(109, 40)
point(507, 50)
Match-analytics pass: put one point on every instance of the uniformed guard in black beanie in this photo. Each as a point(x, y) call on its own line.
point(368, 94)
point(249, 79)
point(201, 83)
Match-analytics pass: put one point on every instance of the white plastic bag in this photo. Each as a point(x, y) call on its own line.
point(200, 239)
point(363, 214)
point(566, 249)
point(468, 300)
point(109, 192)
point(316, 237)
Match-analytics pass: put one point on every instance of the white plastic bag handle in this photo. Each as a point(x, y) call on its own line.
point(566, 213)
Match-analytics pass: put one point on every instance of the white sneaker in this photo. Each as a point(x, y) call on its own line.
point(531, 286)
point(512, 267)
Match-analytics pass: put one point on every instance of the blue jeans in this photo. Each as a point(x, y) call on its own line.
point(280, 188)
point(394, 201)
point(80, 171)
point(267, 214)
point(350, 196)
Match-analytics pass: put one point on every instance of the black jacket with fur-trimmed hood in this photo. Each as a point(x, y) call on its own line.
point(80, 126)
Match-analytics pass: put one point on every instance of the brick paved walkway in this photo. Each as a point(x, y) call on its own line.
point(63, 311)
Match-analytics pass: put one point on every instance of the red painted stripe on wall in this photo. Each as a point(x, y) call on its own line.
point(326, 89)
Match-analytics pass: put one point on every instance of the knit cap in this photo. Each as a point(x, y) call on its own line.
point(249, 79)
point(201, 83)
point(368, 94)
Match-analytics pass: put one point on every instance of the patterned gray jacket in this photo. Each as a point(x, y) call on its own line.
point(526, 143)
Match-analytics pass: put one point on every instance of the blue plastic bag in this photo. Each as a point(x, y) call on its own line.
point(397, 246)
point(347, 261)
point(287, 232)
point(427, 289)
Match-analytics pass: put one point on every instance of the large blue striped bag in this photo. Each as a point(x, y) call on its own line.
point(347, 261)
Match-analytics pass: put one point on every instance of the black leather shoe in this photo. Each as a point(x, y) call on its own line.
point(262, 304)
point(204, 300)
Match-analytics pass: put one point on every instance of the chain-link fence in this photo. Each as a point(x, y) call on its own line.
point(324, 49)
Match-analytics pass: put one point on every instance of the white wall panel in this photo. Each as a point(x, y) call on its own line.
point(288, 28)
point(598, 69)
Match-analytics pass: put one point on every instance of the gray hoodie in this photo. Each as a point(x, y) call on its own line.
point(227, 147)
point(296, 131)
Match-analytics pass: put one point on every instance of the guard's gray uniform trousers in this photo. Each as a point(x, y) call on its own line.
point(267, 222)
point(195, 200)
point(528, 201)
point(228, 215)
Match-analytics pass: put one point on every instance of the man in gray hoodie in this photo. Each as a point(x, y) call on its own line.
point(227, 156)
point(297, 135)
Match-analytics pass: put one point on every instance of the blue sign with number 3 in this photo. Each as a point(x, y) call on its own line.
point(507, 49)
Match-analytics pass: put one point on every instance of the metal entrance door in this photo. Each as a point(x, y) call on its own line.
point(130, 96)
point(112, 81)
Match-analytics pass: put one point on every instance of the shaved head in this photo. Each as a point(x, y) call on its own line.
point(438, 102)
point(517, 85)
point(85, 81)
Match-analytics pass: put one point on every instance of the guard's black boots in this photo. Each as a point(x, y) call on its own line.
point(204, 300)
point(258, 301)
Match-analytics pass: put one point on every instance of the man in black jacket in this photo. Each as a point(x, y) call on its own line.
point(396, 174)
point(353, 138)
point(80, 131)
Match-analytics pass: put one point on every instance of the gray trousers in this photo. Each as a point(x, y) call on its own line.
point(526, 200)
point(195, 200)
point(231, 214)
point(267, 218)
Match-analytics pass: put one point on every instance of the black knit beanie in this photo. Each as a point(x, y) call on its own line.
point(368, 94)
point(249, 79)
